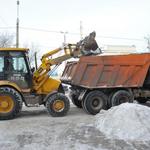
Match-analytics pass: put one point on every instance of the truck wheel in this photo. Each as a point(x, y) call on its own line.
point(120, 97)
point(75, 100)
point(10, 103)
point(57, 105)
point(109, 104)
point(142, 100)
point(94, 102)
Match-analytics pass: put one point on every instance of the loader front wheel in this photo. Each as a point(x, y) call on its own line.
point(57, 105)
point(10, 103)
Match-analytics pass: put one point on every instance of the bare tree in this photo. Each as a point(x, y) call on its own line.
point(34, 49)
point(6, 39)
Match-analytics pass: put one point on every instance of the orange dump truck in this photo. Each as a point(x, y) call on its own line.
point(99, 82)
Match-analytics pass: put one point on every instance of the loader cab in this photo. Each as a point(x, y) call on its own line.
point(14, 67)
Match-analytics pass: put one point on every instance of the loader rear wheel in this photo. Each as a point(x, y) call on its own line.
point(121, 96)
point(94, 102)
point(10, 103)
point(75, 100)
point(57, 105)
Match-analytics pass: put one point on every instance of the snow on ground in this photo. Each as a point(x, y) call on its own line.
point(34, 129)
point(127, 121)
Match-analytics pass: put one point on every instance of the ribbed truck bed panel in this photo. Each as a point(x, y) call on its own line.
point(107, 71)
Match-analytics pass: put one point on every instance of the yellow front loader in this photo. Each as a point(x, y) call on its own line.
point(19, 84)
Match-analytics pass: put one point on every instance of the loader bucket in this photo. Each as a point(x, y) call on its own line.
point(88, 46)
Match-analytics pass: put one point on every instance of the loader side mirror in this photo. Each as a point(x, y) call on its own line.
point(32, 69)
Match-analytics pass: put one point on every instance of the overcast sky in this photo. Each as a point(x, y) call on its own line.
point(109, 18)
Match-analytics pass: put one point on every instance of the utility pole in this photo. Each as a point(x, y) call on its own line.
point(148, 42)
point(81, 30)
point(17, 26)
point(64, 33)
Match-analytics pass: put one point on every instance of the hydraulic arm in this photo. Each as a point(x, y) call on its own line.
point(87, 46)
point(42, 73)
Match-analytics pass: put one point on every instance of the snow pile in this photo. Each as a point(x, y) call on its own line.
point(127, 121)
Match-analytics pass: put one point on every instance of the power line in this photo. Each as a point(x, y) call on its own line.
point(40, 30)
point(7, 27)
point(2, 19)
point(71, 33)
point(43, 30)
point(121, 38)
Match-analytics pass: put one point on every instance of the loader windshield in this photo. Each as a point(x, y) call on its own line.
point(14, 68)
point(18, 62)
point(1, 63)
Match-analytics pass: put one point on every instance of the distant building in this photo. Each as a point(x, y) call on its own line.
point(119, 49)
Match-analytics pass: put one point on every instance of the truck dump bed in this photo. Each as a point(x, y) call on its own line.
point(107, 71)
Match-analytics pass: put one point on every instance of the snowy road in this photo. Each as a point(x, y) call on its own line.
point(36, 130)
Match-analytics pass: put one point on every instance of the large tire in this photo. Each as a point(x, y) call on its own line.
point(57, 105)
point(121, 96)
point(61, 89)
point(142, 100)
point(75, 100)
point(94, 102)
point(109, 102)
point(10, 103)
